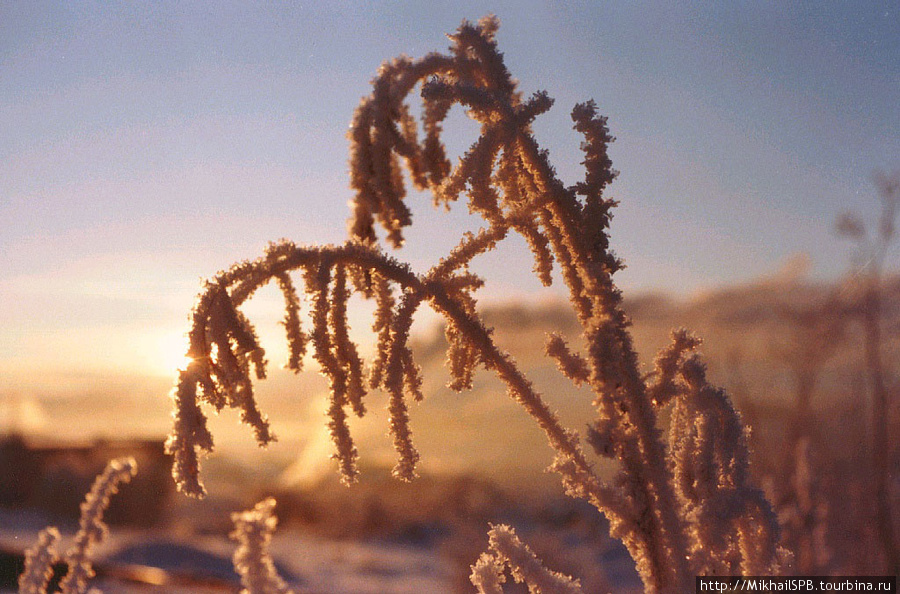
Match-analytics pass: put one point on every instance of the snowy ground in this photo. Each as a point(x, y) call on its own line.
point(146, 562)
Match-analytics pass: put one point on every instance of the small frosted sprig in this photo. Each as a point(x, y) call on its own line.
point(296, 338)
point(402, 378)
point(507, 550)
point(487, 575)
point(318, 281)
point(39, 562)
point(734, 529)
point(253, 531)
point(663, 386)
point(345, 349)
point(384, 317)
point(92, 530)
point(572, 365)
point(237, 349)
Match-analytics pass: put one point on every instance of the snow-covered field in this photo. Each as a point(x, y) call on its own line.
point(142, 561)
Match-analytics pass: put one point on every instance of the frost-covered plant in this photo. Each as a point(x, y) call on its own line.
point(92, 531)
point(506, 550)
point(683, 506)
point(253, 531)
point(39, 562)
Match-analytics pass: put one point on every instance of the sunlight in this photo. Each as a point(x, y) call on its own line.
point(169, 354)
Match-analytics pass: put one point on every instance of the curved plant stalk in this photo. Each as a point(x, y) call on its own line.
point(39, 562)
point(91, 531)
point(506, 550)
point(253, 531)
point(682, 508)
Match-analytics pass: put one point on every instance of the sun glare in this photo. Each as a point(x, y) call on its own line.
point(170, 353)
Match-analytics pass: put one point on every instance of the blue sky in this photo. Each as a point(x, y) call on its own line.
point(146, 145)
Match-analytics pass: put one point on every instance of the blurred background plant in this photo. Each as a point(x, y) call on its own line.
point(866, 291)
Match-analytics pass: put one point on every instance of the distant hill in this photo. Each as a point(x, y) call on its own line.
point(750, 334)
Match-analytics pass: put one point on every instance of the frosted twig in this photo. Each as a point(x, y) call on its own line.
point(92, 530)
point(39, 562)
point(506, 550)
point(253, 531)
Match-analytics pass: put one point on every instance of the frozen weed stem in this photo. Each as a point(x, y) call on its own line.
point(683, 506)
point(253, 531)
point(39, 562)
point(91, 532)
point(506, 550)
